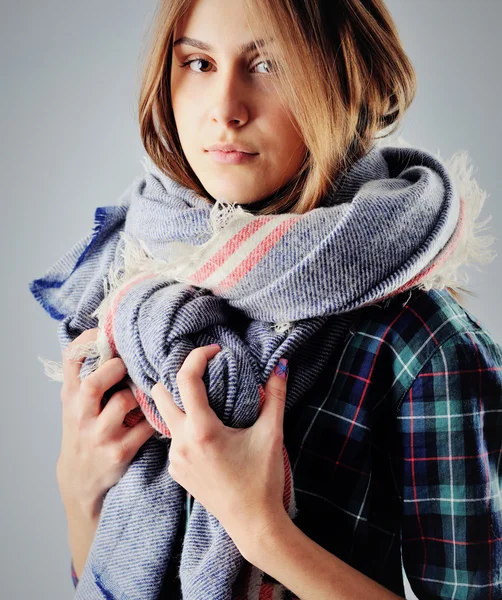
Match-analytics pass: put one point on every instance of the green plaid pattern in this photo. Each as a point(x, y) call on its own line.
point(400, 445)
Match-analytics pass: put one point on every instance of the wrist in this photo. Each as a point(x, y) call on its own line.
point(78, 508)
point(73, 498)
point(265, 536)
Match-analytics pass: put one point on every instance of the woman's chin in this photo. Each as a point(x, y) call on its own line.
point(231, 195)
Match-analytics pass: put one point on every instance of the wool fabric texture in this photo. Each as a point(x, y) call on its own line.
point(164, 272)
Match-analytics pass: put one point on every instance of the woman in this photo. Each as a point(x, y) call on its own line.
point(383, 443)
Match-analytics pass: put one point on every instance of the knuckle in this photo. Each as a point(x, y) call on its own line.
point(118, 453)
point(184, 380)
point(122, 400)
point(276, 392)
point(88, 333)
point(178, 454)
point(203, 436)
point(178, 457)
point(117, 362)
point(90, 386)
point(184, 374)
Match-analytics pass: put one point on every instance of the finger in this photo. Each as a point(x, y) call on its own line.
point(97, 383)
point(136, 436)
point(72, 366)
point(169, 410)
point(113, 414)
point(272, 412)
point(192, 387)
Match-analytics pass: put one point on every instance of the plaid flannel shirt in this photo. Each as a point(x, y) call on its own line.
point(396, 453)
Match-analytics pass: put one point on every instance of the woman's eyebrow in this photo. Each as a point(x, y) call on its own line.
point(244, 49)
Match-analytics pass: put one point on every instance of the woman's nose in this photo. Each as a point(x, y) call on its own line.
point(230, 99)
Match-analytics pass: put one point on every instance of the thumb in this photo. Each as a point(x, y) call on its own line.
point(275, 394)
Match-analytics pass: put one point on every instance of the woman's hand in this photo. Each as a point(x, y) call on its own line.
point(96, 448)
point(236, 474)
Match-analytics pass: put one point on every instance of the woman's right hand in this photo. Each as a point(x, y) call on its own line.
point(96, 447)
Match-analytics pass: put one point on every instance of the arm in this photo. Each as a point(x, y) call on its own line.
point(66, 291)
point(447, 458)
point(307, 569)
point(447, 449)
point(81, 531)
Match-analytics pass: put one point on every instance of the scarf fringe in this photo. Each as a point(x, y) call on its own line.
point(136, 260)
point(77, 352)
point(469, 249)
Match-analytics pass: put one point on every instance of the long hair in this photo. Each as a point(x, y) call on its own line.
point(353, 88)
point(355, 81)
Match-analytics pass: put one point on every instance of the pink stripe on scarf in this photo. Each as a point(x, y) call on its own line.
point(108, 325)
point(441, 258)
point(140, 396)
point(255, 256)
point(228, 249)
point(149, 413)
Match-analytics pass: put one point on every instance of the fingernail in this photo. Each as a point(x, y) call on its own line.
point(281, 368)
point(214, 345)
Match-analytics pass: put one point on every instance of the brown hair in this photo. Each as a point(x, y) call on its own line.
point(359, 82)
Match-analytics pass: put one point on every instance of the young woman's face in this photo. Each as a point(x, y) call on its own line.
point(225, 96)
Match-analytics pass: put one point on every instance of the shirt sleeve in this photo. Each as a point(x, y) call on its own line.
point(73, 574)
point(447, 455)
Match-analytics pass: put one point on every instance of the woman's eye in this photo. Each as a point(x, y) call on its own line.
point(188, 63)
point(269, 64)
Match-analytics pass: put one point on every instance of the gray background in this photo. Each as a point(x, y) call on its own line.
point(71, 143)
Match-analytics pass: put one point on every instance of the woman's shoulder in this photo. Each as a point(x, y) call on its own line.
point(418, 320)
point(392, 341)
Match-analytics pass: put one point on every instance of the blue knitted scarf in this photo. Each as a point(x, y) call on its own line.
point(164, 271)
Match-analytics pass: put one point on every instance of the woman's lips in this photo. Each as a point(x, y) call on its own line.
point(231, 158)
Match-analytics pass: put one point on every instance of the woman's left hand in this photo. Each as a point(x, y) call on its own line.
point(236, 474)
